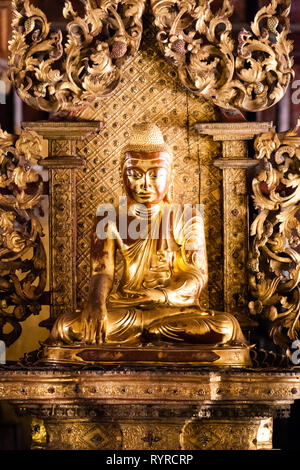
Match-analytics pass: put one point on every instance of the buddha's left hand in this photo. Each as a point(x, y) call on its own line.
point(147, 296)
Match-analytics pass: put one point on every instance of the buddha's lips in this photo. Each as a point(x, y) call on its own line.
point(146, 194)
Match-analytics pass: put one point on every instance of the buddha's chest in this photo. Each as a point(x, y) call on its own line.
point(159, 269)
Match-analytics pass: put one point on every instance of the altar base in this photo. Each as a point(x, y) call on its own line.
point(151, 408)
point(148, 427)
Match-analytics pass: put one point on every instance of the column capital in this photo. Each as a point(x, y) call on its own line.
point(62, 137)
point(64, 130)
point(224, 131)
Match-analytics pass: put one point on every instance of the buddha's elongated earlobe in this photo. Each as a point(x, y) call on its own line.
point(170, 194)
point(121, 175)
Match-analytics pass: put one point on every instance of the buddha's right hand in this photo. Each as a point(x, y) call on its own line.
point(93, 321)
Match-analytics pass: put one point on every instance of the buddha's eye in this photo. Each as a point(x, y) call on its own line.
point(134, 174)
point(157, 173)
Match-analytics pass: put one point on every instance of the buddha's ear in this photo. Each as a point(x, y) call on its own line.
point(121, 175)
point(170, 194)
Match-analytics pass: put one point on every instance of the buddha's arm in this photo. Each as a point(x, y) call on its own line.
point(190, 270)
point(102, 266)
point(101, 282)
point(186, 287)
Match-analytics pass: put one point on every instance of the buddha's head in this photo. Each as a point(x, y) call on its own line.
point(147, 166)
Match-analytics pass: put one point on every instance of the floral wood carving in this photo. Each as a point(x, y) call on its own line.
point(22, 254)
point(252, 75)
point(275, 254)
point(52, 71)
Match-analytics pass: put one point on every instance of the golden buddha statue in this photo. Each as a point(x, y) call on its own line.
point(165, 264)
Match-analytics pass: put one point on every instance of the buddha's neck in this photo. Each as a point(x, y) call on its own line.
point(142, 212)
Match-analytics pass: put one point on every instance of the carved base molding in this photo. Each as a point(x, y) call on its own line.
point(112, 427)
point(163, 408)
point(200, 355)
point(228, 434)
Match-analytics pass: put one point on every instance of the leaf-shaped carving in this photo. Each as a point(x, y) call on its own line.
point(52, 71)
point(251, 75)
point(22, 254)
point(274, 262)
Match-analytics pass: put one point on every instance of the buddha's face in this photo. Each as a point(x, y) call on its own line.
point(147, 176)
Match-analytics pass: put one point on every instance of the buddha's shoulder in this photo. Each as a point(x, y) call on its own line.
point(109, 212)
point(106, 219)
point(183, 210)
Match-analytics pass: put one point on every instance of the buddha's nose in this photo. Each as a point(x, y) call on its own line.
point(146, 182)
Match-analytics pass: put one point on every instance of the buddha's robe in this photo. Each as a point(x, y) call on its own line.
point(169, 255)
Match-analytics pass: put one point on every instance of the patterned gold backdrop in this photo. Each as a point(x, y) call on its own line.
point(150, 91)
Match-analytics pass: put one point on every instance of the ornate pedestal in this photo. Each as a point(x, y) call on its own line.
point(137, 408)
point(184, 355)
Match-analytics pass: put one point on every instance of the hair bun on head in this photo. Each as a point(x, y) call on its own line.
point(147, 137)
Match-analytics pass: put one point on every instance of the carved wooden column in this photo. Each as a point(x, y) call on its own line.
point(234, 163)
point(62, 163)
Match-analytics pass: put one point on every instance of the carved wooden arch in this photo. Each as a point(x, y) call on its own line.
point(252, 75)
point(52, 72)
